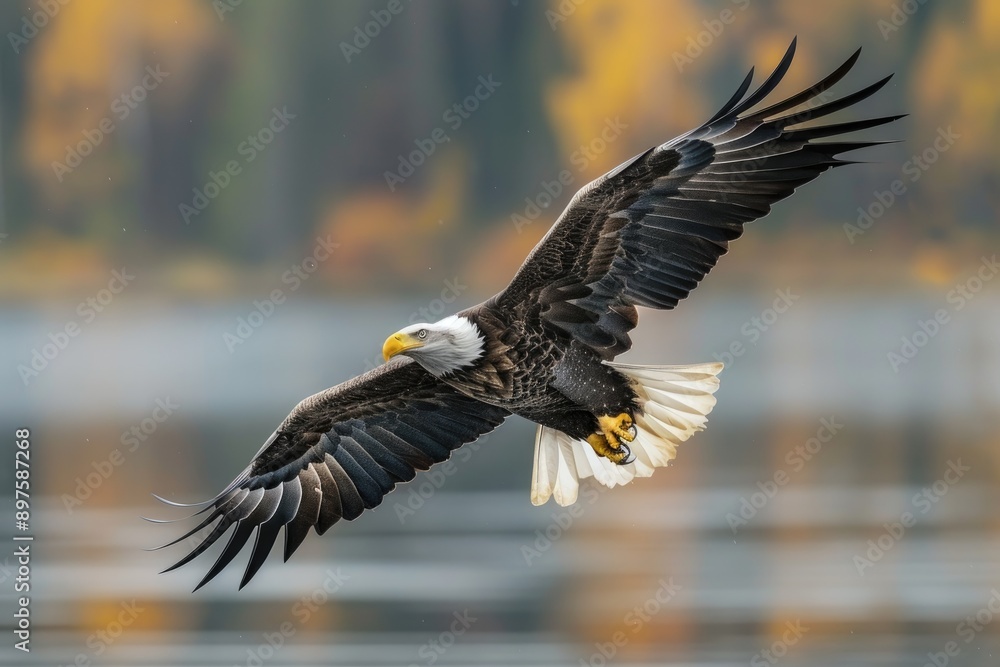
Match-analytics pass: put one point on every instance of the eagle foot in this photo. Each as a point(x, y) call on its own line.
point(610, 443)
point(618, 429)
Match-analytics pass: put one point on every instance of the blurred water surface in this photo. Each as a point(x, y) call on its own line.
point(684, 566)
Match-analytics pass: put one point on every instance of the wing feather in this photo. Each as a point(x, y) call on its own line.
point(331, 494)
point(339, 453)
point(307, 515)
point(267, 533)
point(647, 232)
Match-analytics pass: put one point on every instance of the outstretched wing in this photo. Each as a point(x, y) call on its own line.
point(337, 454)
point(647, 232)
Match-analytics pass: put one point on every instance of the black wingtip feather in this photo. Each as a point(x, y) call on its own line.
point(176, 504)
point(294, 537)
point(832, 106)
point(260, 514)
point(217, 532)
point(822, 131)
point(237, 540)
point(266, 535)
point(381, 449)
point(220, 511)
point(734, 100)
point(307, 514)
point(816, 89)
point(772, 80)
point(835, 148)
point(183, 518)
point(245, 507)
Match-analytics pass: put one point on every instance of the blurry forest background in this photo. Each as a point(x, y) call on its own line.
point(198, 189)
point(563, 77)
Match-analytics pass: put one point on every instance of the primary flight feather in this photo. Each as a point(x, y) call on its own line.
point(644, 234)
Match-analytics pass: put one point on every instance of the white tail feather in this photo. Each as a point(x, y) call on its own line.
point(674, 404)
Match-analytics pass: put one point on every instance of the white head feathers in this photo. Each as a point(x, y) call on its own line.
point(448, 345)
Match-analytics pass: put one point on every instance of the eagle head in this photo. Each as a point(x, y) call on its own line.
point(441, 348)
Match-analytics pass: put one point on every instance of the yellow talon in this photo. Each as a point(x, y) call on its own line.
point(615, 454)
point(617, 429)
point(615, 432)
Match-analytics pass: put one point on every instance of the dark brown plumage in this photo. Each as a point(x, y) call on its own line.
point(338, 453)
point(645, 234)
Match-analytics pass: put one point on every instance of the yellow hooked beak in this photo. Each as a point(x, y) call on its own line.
point(397, 343)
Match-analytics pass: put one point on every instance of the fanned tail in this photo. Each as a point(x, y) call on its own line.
point(674, 404)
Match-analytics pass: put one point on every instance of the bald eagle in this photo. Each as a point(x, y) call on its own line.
point(644, 234)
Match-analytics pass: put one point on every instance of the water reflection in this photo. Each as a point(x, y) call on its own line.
point(869, 544)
